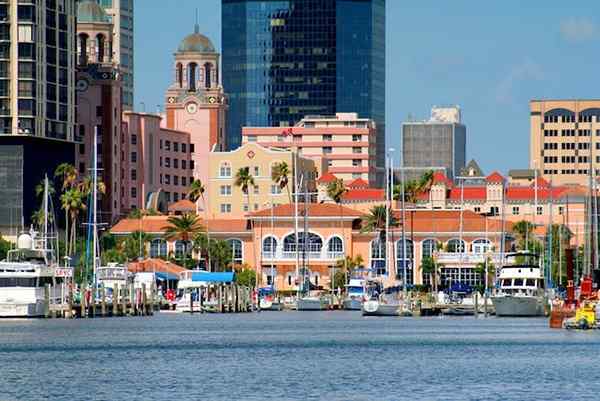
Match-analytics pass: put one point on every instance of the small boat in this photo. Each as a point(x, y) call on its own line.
point(312, 303)
point(268, 301)
point(355, 294)
point(521, 287)
point(381, 306)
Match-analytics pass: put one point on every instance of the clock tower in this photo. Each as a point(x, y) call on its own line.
point(195, 101)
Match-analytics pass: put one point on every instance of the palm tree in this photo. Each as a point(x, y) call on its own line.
point(523, 230)
point(375, 220)
point(68, 173)
point(40, 188)
point(196, 193)
point(336, 190)
point(73, 203)
point(244, 180)
point(221, 254)
point(280, 174)
point(348, 264)
point(185, 228)
point(201, 245)
point(85, 186)
point(134, 245)
point(425, 181)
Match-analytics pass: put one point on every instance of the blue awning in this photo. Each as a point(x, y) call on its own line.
point(163, 276)
point(224, 277)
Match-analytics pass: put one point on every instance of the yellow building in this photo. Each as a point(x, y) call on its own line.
point(226, 200)
point(565, 139)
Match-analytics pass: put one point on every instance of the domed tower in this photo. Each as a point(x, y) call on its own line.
point(195, 101)
point(94, 34)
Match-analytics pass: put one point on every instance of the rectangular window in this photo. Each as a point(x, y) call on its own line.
point(561, 210)
point(356, 138)
point(167, 179)
point(175, 146)
point(175, 196)
point(134, 157)
point(183, 148)
point(540, 210)
point(356, 150)
point(477, 209)
point(175, 180)
point(515, 210)
point(192, 148)
point(168, 145)
point(192, 164)
point(256, 171)
point(356, 163)
point(225, 208)
point(168, 162)
point(183, 165)
point(251, 138)
point(175, 163)
point(160, 144)
point(133, 192)
point(327, 138)
point(133, 139)
point(183, 181)
point(327, 150)
point(275, 190)
point(133, 174)
point(25, 33)
point(256, 190)
point(225, 190)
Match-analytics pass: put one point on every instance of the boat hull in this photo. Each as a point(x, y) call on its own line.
point(518, 306)
point(309, 304)
point(267, 305)
point(375, 308)
point(13, 310)
point(352, 304)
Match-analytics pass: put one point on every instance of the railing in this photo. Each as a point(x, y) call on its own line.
point(280, 254)
point(467, 257)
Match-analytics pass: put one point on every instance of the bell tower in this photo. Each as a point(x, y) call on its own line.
point(195, 101)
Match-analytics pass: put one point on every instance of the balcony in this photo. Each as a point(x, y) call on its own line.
point(467, 258)
point(287, 255)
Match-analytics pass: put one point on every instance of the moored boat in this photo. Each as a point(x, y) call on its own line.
point(355, 294)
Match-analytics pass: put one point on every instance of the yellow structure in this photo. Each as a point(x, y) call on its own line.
point(565, 139)
point(226, 200)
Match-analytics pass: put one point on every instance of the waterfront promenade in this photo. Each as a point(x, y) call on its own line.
point(296, 356)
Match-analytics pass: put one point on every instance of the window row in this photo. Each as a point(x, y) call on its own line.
point(175, 163)
point(166, 180)
point(175, 146)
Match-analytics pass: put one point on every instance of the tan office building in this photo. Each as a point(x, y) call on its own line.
point(228, 201)
point(565, 139)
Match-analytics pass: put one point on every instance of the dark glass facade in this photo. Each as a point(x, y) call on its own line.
point(283, 60)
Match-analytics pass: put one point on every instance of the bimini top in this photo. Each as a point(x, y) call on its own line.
point(90, 11)
point(196, 43)
point(207, 277)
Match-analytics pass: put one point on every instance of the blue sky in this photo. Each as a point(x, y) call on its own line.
point(490, 58)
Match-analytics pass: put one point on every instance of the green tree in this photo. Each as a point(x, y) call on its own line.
point(246, 277)
point(336, 190)
point(134, 245)
point(196, 193)
point(5, 246)
point(480, 270)
point(347, 266)
point(113, 256)
point(244, 180)
point(68, 174)
point(431, 268)
point(339, 280)
point(72, 201)
point(221, 255)
point(280, 174)
point(184, 228)
point(201, 246)
point(375, 221)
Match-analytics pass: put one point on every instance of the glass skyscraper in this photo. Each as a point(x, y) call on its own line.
point(283, 60)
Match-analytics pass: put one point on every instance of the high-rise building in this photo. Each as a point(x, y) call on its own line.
point(284, 60)
point(98, 105)
point(565, 140)
point(436, 144)
point(121, 14)
point(37, 99)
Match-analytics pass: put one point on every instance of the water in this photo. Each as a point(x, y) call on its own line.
point(296, 356)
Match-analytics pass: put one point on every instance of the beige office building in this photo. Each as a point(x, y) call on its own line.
point(565, 139)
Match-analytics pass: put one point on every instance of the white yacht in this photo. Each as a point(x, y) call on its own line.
point(111, 275)
point(355, 294)
point(521, 287)
point(23, 278)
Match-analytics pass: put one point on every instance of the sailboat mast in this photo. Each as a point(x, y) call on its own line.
point(95, 206)
point(46, 212)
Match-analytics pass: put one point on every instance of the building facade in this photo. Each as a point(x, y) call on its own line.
point(227, 200)
point(155, 160)
point(37, 99)
point(266, 242)
point(284, 60)
point(195, 101)
point(120, 13)
point(437, 144)
point(565, 140)
point(98, 105)
point(345, 142)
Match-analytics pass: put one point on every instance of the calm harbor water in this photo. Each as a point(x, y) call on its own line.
point(296, 356)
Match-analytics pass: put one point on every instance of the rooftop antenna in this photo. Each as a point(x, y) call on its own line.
point(197, 25)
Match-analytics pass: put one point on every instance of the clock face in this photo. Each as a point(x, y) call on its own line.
point(212, 99)
point(191, 108)
point(171, 100)
point(82, 85)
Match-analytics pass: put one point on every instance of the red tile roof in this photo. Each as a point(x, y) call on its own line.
point(495, 177)
point(156, 225)
point(183, 205)
point(358, 183)
point(326, 178)
point(367, 194)
point(314, 210)
point(155, 265)
point(448, 221)
point(467, 193)
point(440, 178)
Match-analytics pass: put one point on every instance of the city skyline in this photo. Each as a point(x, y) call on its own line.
point(460, 56)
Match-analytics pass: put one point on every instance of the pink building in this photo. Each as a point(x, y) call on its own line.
point(195, 101)
point(345, 141)
point(98, 106)
point(154, 160)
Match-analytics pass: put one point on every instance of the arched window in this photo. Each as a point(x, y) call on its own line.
point(83, 43)
point(158, 248)
point(269, 247)
point(225, 170)
point(179, 74)
point(455, 246)
point(404, 262)
point(481, 246)
point(588, 114)
point(192, 67)
point(182, 248)
point(559, 115)
point(101, 46)
point(237, 253)
point(335, 248)
point(312, 243)
point(378, 257)
point(207, 72)
point(428, 247)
